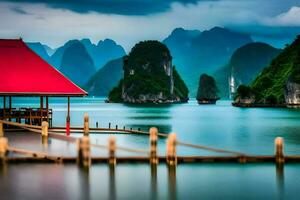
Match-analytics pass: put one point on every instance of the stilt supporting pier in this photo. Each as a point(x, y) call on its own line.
point(3, 148)
point(84, 152)
point(171, 156)
point(4, 106)
point(86, 125)
point(279, 155)
point(10, 106)
point(47, 108)
point(153, 146)
point(1, 130)
point(45, 126)
point(112, 150)
point(68, 119)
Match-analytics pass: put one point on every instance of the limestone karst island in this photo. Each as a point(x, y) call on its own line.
point(150, 100)
point(149, 77)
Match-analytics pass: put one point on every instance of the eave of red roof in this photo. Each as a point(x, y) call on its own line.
point(24, 73)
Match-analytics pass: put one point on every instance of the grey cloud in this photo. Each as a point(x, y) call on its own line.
point(19, 10)
point(122, 7)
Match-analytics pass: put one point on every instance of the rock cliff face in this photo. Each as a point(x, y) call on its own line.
point(105, 78)
point(149, 77)
point(195, 52)
point(292, 94)
point(207, 90)
point(244, 66)
point(279, 83)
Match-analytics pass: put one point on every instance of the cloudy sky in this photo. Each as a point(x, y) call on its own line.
point(127, 21)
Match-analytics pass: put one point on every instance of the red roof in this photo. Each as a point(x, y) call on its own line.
point(23, 72)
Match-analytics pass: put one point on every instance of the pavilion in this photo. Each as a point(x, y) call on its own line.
point(25, 74)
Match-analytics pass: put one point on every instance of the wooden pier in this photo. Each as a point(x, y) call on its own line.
point(147, 155)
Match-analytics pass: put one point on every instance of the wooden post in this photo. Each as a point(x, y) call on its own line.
point(3, 148)
point(242, 159)
point(45, 126)
point(112, 150)
point(86, 128)
point(109, 124)
point(84, 154)
point(30, 116)
point(47, 108)
point(68, 118)
point(153, 146)
point(1, 130)
point(171, 150)
point(97, 124)
point(279, 155)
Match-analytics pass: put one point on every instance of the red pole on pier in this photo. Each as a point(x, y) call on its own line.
point(68, 119)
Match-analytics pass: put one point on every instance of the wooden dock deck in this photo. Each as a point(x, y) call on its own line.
point(82, 149)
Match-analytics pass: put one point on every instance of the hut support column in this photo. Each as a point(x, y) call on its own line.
point(10, 108)
point(4, 106)
point(68, 118)
point(47, 109)
point(41, 108)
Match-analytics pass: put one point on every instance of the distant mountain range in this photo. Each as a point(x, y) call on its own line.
point(77, 64)
point(104, 51)
point(244, 65)
point(79, 60)
point(198, 52)
point(39, 49)
point(218, 51)
point(106, 78)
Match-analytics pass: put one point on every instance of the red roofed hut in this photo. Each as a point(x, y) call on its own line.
point(24, 73)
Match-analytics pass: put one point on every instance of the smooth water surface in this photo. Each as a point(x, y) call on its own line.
point(249, 130)
point(139, 181)
point(223, 126)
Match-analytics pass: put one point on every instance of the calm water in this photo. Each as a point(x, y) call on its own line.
point(247, 130)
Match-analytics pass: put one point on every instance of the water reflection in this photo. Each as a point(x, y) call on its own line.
point(3, 169)
point(172, 182)
point(140, 181)
point(153, 192)
point(112, 183)
point(280, 180)
point(84, 186)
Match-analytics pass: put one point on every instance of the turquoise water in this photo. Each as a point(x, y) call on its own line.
point(249, 130)
point(223, 126)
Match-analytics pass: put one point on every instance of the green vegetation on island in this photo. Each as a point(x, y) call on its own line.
point(277, 84)
point(149, 77)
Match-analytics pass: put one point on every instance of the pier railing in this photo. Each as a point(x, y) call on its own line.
point(150, 154)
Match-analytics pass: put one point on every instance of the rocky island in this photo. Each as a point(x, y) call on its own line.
point(278, 85)
point(149, 77)
point(207, 90)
